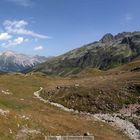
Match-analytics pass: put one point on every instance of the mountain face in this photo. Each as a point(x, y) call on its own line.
point(13, 62)
point(106, 53)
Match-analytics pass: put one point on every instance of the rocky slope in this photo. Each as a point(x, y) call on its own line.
point(104, 92)
point(14, 62)
point(106, 53)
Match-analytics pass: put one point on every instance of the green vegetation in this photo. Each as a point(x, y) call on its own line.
point(12, 104)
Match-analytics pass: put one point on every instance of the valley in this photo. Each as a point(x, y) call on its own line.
point(69, 70)
point(94, 89)
point(28, 118)
point(23, 116)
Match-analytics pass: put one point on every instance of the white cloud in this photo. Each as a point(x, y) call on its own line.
point(5, 36)
point(38, 48)
point(14, 42)
point(25, 3)
point(19, 27)
point(18, 41)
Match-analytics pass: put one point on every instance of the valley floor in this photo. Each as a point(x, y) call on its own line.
point(23, 116)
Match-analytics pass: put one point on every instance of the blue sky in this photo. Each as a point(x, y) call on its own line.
point(52, 27)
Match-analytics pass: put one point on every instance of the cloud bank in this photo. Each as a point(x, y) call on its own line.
point(19, 27)
point(14, 42)
point(15, 33)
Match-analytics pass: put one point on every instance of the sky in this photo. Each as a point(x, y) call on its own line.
point(53, 27)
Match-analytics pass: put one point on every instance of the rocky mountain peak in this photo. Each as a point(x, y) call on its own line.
point(8, 53)
point(107, 38)
point(122, 35)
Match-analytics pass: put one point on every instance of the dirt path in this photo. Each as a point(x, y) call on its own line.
point(115, 119)
point(37, 94)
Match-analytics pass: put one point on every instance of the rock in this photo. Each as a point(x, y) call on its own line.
point(57, 87)
point(10, 131)
point(87, 134)
point(136, 69)
point(6, 92)
point(4, 112)
point(107, 38)
point(76, 85)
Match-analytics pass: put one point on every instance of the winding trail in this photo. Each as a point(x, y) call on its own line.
point(114, 119)
point(37, 94)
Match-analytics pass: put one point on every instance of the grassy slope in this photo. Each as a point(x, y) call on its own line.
point(100, 91)
point(45, 118)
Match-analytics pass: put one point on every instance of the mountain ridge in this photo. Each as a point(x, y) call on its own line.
point(109, 51)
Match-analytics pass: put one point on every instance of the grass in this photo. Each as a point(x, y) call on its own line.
point(105, 93)
point(47, 119)
point(12, 104)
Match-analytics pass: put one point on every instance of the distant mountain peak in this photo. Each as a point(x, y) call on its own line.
point(8, 53)
point(11, 61)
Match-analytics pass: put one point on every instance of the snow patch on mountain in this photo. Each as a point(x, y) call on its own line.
point(14, 62)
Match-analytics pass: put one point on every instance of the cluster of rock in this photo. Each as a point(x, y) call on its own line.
point(130, 109)
point(6, 92)
point(121, 122)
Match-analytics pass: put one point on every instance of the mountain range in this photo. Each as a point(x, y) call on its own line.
point(101, 83)
point(110, 51)
point(14, 62)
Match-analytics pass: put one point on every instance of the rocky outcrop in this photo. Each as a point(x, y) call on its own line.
point(107, 38)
